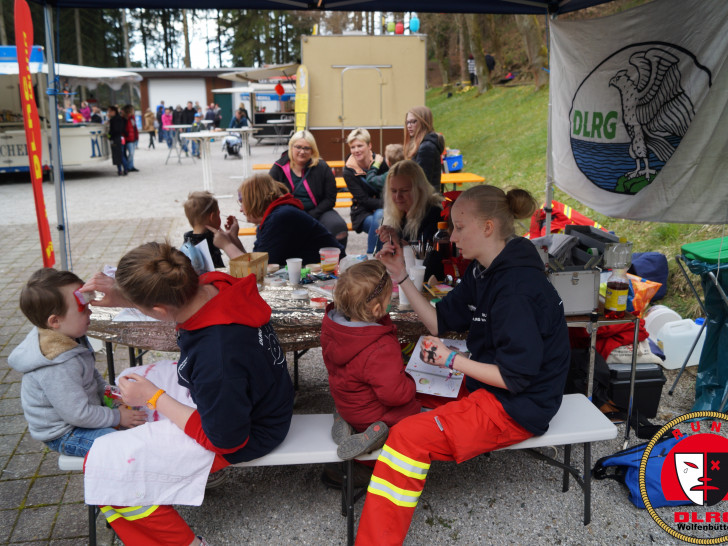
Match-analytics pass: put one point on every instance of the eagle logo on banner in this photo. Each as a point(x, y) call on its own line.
point(653, 108)
point(644, 110)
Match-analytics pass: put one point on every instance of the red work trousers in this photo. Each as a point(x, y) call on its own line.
point(149, 525)
point(456, 431)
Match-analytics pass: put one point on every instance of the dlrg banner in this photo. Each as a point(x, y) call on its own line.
point(639, 111)
point(24, 43)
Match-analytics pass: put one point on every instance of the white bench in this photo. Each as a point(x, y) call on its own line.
point(309, 442)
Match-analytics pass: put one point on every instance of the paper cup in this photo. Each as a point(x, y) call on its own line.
point(294, 270)
point(403, 301)
point(419, 262)
point(417, 274)
point(329, 258)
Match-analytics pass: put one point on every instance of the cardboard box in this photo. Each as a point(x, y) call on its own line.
point(255, 263)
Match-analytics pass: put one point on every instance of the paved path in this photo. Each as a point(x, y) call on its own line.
point(502, 499)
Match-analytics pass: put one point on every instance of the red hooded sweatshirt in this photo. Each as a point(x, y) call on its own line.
point(366, 372)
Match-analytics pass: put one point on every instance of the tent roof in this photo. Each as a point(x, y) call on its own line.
point(88, 76)
point(434, 6)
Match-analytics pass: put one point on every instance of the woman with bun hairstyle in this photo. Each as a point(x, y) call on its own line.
point(423, 145)
point(516, 371)
point(228, 399)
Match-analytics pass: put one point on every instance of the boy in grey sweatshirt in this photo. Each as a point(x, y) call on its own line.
point(61, 391)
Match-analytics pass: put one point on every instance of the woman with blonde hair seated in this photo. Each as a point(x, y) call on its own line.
point(411, 205)
point(311, 181)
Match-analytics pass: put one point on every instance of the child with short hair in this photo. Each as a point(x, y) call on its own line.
point(61, 391)
point(202, 210)
point(392, 154)
point(367, 377)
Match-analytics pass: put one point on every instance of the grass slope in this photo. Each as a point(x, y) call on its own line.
point(502, 136)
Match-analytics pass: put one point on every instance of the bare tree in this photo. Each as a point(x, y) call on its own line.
point(186, 34)
point(460, 22)
point(476, 46)
point(3, 34)
point(79, 48)
point(535, 46)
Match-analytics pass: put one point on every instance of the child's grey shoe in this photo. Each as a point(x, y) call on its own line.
point(364, 442)
point(216, 479)
point(340, 430)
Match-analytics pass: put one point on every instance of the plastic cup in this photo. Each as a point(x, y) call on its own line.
point(329, 258)
point(403, 301)
point(294, 270)
point(417, 274)
point(419, 262)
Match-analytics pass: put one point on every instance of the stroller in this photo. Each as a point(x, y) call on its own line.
point(231, 146)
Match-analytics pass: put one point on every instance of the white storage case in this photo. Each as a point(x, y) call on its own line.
point(578, 288)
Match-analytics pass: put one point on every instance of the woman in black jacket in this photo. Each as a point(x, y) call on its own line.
point(423, 145)
point(311, 181)
point(363, 176)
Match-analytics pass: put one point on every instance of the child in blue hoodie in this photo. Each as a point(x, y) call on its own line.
point(61, 391)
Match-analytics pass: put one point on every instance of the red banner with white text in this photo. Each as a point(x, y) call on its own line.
point(24, 43)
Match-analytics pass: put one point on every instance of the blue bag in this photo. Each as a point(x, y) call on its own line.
point(624, 466)
point(653, 267)
point(195, 256)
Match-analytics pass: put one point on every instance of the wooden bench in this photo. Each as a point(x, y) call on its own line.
point(309, 441)
point(250, 231)
point(334, 164)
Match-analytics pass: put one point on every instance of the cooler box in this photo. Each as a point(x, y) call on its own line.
point(453, 163)
point(649, 380)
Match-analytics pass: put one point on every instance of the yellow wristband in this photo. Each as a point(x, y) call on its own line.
point(152, 402)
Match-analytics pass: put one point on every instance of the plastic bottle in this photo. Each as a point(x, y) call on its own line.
point(617, 291)
point(441, 242)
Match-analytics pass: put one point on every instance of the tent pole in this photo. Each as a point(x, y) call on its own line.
point(55, 138)
point(549, 165)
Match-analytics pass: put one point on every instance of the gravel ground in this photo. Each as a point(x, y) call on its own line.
point(503, 498)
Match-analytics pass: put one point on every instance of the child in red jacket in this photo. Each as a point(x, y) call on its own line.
point(367, 377)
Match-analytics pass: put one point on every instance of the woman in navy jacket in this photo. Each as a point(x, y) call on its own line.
point(516, 372)
point(283, 230)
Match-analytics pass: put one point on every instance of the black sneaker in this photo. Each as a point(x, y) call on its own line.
point(333, 475)
point(364, 442)
point(340, 430)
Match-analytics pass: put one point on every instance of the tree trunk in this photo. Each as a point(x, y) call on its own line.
point(535, 47)
point(476, 46)
point(3, 34)
point(219, 40)
point(460, 22)
point(186, 34)
point(127, 58)
point(79, 48)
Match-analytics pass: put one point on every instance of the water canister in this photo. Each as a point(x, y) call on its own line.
point(656, 317)
point(676, 338)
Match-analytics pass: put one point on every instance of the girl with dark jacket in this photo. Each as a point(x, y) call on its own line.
point(423, 145)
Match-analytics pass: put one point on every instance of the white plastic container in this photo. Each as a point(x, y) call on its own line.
point(656, 317)
point(676, 338)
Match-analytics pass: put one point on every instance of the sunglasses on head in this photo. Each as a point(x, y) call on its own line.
point(83, 299)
